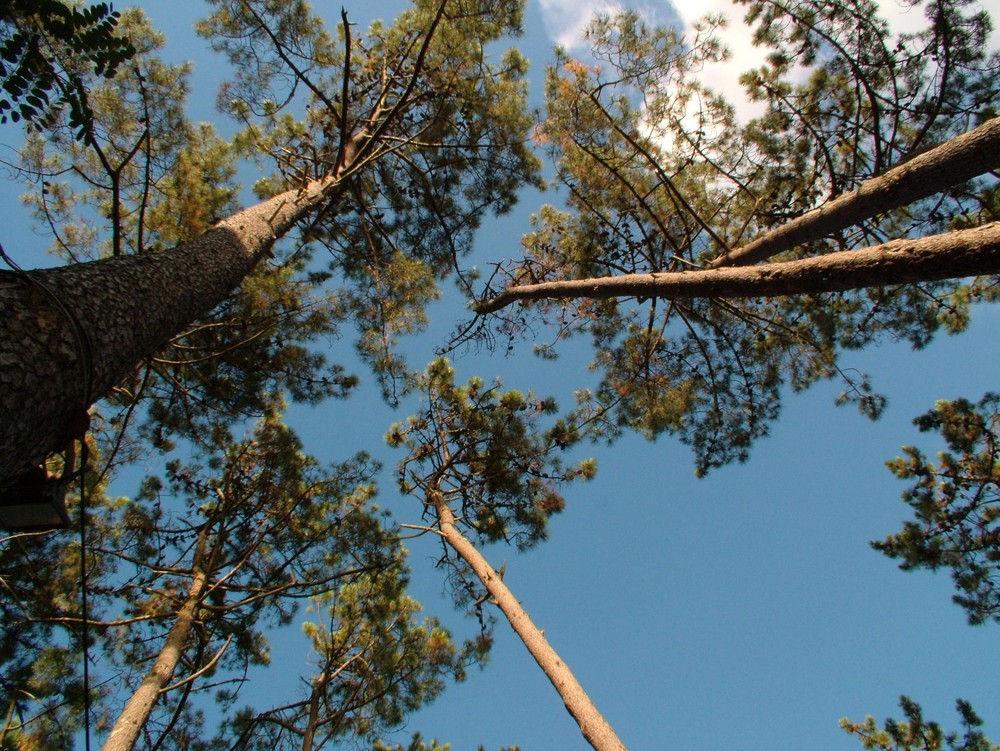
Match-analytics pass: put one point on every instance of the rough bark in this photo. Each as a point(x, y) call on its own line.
point(594, 727)
point(971, 252)
point(136, 713)
point(70, 334)
point(958, 160)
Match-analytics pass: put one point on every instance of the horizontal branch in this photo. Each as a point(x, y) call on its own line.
point(963, 253)
point(952, 163)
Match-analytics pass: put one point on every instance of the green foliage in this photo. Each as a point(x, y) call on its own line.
point(430, 131)
point(417, 743)
point(871, 98)
point(661, 176)
point(241, 534)
point(41, 682)
point(44, 44)
point(916, 734)
point(110, 195)
point(375, 663)
point(481, 449)
point(481, 452)
point(956, 504)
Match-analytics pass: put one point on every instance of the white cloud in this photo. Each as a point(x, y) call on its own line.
point(565, 21)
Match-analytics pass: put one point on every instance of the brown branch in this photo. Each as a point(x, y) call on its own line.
point(971, 252)
point(958, 160)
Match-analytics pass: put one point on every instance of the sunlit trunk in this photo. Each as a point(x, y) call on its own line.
point(594, 727)
point(135, 715)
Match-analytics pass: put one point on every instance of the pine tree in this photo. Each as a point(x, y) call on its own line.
point(916, 733)
point(955, 504)
point(480, 466)
point(207, 323)
point(190, 580)
point(390, 176)
point(666, 191)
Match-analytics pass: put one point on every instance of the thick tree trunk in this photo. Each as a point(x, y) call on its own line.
point(970, 252)
point(594, 727)
point(70, 334)
point(952, 163)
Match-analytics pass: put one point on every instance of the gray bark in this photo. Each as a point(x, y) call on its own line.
point(598, 732)
point(952, 163)
point(971, 252)
point(70, 334)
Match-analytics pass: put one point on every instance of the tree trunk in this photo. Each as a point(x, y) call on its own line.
point(594, 727)
point(135, 715)
point(970, 252)
point(70, 334)
point(952, 163)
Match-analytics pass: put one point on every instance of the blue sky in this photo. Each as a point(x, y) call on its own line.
point(738, 612)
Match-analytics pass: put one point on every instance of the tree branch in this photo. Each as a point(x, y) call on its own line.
point(971, 252)
point(952, 163)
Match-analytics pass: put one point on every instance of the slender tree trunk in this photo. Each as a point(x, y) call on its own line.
point(594, 727)
point(70, 334)
point(952, 163)
point(136, 713)
point(970, 252)
point(310, 731)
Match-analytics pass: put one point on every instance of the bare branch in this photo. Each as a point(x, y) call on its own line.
point(971, 252)
point(960, 159)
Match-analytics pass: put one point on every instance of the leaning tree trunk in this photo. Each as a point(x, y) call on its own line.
point(139, 707)
point(969, 252)
point(70, 334)
point(954, 162)
point(595, 728)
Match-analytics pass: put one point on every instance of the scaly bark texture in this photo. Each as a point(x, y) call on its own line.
point(70, 334)
point(958, 160)
point(594, 727)
point(954, 255)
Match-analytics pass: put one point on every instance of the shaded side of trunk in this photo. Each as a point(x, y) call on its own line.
point(958, 160)
point(594, 727)
point(971, 252)
point(70, 334)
